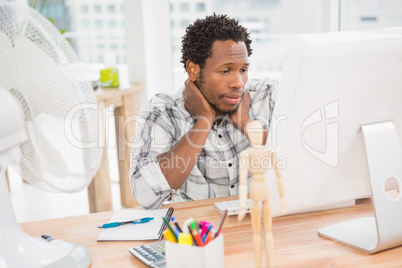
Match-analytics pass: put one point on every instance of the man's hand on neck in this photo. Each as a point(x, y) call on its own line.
point(196, 104)
point(240, 118)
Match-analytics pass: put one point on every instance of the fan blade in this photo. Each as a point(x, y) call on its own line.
point(8, 74)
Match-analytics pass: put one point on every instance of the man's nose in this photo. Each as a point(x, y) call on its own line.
point(237, 81)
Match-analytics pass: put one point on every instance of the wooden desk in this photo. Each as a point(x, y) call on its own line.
point(297, 243)
point(124, 102)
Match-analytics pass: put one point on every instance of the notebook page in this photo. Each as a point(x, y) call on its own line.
point(141, 231)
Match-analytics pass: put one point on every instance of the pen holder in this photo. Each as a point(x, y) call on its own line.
point(183, 256)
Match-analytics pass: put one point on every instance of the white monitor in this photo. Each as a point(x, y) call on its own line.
point(332, 85)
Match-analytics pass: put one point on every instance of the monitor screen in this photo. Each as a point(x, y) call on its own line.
point(332, 84)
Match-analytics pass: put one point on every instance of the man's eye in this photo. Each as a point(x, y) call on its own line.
point(225, 71)
point(245, 70)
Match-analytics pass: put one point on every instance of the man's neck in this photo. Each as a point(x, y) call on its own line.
point(218, 118)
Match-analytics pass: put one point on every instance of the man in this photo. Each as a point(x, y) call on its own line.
point(187, 145)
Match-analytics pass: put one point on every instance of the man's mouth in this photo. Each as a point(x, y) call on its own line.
point(233, 98)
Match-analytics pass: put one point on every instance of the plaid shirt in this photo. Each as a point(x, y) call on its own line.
point(162, 123)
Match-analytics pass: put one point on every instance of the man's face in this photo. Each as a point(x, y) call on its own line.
point(224, 76)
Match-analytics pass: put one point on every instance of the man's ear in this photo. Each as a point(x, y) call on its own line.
point(193, 70)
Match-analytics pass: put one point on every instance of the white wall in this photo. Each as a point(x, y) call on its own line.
point(148, 45)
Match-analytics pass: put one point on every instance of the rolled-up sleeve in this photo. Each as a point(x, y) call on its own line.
point(154, 136)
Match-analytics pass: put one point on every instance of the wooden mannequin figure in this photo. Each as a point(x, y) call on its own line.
point(255, 159)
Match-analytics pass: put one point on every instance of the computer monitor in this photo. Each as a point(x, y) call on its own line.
point(332, 85)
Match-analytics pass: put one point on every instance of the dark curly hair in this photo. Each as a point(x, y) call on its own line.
point(196, 45)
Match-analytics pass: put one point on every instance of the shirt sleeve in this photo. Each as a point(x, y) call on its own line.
point(154, 136)
point(263, 94)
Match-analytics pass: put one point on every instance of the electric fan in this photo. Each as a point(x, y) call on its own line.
point(48, 127)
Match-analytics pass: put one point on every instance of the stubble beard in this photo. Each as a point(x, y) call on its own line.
point(201, 86)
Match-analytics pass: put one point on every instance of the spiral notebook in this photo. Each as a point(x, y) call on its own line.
point(130, 232)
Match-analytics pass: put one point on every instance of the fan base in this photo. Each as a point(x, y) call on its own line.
point(18, 249)
point(41, 253)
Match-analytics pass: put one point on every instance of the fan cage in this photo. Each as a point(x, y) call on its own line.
point(62, 153)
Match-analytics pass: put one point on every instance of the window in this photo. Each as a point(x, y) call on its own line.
point(84, 9)
point(370, 14)
point(85, 23)
point(270, 32)
point(56, 11)
point(184, 23)
point(98, 9)
point(53, 10)
point(184, 7)
point(111, 8)
point(272, 24)
point(98, 23)
point(200, 7)
point(112, 24)
point(121, 60)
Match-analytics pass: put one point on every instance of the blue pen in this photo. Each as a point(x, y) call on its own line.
point(115, 224)
point(178, 229)
point(206, 233)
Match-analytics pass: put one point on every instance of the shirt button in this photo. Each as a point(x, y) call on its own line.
point(220, 136)
point(230, 164)
point(232, 186)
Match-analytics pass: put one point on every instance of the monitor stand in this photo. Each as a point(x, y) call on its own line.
point(383, 231)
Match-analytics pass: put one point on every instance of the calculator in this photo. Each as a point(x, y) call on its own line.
point(152, 254)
